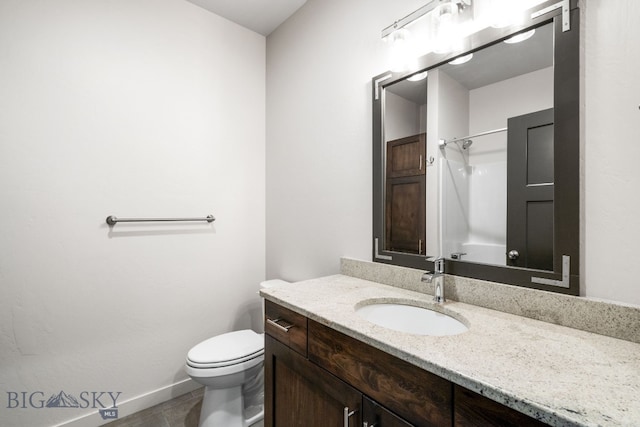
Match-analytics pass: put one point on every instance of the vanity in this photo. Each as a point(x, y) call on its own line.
point(327, 365)
point(361, 383)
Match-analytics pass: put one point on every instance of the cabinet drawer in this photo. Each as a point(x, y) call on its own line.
point(287, 326)
point(416, 395)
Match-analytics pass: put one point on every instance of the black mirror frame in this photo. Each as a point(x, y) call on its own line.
point(567, 158)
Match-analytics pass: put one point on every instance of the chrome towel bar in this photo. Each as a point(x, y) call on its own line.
point(112, 219)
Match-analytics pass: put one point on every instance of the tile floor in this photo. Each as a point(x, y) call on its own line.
point(183, 411)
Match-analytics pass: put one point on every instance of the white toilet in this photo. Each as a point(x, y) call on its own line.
point(230, 366)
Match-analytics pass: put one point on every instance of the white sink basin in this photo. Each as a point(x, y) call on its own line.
point(411, 319)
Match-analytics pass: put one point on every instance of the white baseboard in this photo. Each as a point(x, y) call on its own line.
point(135, 404)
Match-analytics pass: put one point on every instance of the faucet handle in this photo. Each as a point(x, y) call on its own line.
point(457, 255)
point(427, 277)
point(438, 264)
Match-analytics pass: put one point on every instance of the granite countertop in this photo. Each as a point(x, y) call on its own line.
point(559, 375)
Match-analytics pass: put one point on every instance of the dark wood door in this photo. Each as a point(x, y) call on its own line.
point(405, 195)
point(299, 393)
point(530, 190)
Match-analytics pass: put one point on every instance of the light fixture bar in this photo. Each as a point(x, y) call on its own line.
point(416, 14)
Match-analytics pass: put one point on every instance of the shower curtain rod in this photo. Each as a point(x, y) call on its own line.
point(443, 142)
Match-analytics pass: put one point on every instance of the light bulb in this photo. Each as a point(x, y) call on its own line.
point(462, 59)
point(520, 37)
point(402, 55)
point(418, 77)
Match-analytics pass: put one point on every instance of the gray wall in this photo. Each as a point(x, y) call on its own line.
point(319, 66)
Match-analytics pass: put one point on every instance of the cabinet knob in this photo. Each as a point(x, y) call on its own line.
point(513, 254)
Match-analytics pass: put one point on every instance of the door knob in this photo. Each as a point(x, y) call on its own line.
point(513, 254)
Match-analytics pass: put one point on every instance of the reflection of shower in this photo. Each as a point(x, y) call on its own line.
point(466, 141)
point(473, 197)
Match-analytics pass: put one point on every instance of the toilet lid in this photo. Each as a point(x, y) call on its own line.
point(226, 349)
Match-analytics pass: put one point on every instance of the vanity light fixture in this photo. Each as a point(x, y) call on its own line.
point(443, 13)
point(402, 57)
point(520, 37)
point(458, 5)
point(446, 30)
point(461, 59)
point(446, 11)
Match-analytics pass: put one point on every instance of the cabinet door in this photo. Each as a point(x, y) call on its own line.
point(374, 415)
point(299, 393)
point(474, 410)
point(416, 395)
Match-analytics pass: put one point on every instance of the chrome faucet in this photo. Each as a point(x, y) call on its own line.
point(429, 276)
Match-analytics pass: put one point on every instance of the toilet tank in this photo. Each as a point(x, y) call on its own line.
point(272, 283)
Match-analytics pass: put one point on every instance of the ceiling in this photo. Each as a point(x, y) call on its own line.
point(261, 16)
point(503, 61)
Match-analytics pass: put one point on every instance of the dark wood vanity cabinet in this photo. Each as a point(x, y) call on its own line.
point(414, 394)
point(377, 415)
point(299, 393)
point(335, 380)
point(472, 409)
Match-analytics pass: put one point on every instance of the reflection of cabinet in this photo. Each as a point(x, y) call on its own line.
point(405, 195)
point(335, 380)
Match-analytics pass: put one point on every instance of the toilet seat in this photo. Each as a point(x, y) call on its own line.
point(228, 349)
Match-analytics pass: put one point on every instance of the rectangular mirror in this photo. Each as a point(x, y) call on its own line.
point(477, 159)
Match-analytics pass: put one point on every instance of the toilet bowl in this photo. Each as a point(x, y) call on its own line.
point(227, 365)
point(230, 366)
